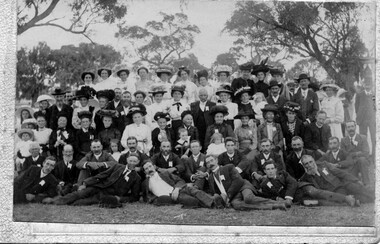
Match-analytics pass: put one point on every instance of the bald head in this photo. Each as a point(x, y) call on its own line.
point(203, 94)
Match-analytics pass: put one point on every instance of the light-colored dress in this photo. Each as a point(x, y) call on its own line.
point(190, 90)
point(153, 109)
point(214, 149)
point(42, 136)
point(257, 109)
point(247, 137)
point(333, 107)
point(143, 134)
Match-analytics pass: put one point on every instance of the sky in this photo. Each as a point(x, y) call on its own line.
point(209, 15)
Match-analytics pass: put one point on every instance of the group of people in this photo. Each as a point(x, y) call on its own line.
point(249, 143)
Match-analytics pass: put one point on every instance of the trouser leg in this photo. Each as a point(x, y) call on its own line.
point(313, 192)
point(83, 174)
point(239, 203)
point(72, 197)
point(372, 131)
point(204, 198)
point(362, 166)
point(360, 192)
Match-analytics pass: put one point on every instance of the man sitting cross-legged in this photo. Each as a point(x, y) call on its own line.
point(280, 185)
point(234, 190)
point(323, 176)
point(166, 188)
point(117, 181)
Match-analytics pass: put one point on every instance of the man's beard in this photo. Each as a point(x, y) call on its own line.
point(132, 149)
point(68, 158)
point(298, 149)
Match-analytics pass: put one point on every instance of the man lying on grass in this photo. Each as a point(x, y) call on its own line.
point(110, 187)
point(164, 188)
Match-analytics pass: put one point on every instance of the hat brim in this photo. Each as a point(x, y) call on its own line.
point(250, 116)
point(108, 71)
point(119, 72)
point(157, 92)
point(278, 84)
point(255, 72)
point(269, 110)
point(22, 131)
point(224, 91)
point(87, 73)
point(182, 92)
point(131, 113)
point(19, 110)
point(159, 73)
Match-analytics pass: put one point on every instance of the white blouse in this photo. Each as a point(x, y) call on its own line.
point(232, 110)
point(143, 134)
point(333, 107)
point(42, 136)
point(175, 114)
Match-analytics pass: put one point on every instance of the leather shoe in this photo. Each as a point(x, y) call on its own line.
point(218, 201)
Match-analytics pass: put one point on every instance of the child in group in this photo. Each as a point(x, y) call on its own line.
point(162, 132)
point(258, 103)
point(22, 147)
point(216, 146)
point(182, 148)
point(158, 105)
point(114, 149)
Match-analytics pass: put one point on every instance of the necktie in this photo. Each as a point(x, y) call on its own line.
point(178, 105)
point(217, 176)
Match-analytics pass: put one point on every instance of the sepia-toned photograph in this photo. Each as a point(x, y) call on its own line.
point(202, 113)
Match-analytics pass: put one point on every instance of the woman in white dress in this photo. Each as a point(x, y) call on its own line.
point(158, 105)
point(164, 73)
point(88, 78)
point(190, 87)
point(333, 107)
point(124, 83)
point(258, 103)
point(138, 129)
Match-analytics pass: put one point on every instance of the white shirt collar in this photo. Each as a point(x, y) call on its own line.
point(35, 158)
point(42, 175)
point(231, 155)
point(216, 169)
point(166, 157)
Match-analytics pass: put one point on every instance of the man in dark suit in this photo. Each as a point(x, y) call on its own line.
point(35, 158)
point(94, 162)
point(244, 80)
point(235, 191)
point(201, 114)
point(233, 156)
point(123, 120)
point(293, 160)
point(279, 185)
point(276, 98)
point(307, 99)
point(66, 171)
point(323, 176)
point(59, 107)
point(366, 113)
point(317, 134)
point(266, 153)
point(168, 161)
point(132, 148)
point(116, 102)
point(169, 188)
point(84, 135)
point(116, 181)
point(36, 183)
point(60, 137)
point(195, 168)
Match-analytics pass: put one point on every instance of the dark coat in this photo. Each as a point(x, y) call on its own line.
point(309, 107)
point(111, 105)
point(233, 183)
point(278, 138)
point(66, 174)
point(362, 145)
point(283, 185)
point(330, 178)
point(280, 104)
point(57, 151)
point(263, 87)
point(293, 163)
point(299, 130)
point(191, 131)
point(240, 82)
point(156, 143)
point(194, 108)
point(105, 158)
point(54, 116)
point(314, 139)
point(30, 182)
point(191, 167)
point(29, 162)
point(239, 160)
point(343, 159)
point(108, 178)
point(173, 161)
point(106, 135)
point(259, 160)
point(122, 121)
point(82, 143)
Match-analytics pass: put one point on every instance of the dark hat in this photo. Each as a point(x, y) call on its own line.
point(315, 87)
point(88, 90)
point(243, 113)
point(259, 68)
point(122, 70)
point(161, 115)
point(241, 90)
point(184, 113)
point(219, 109)
point(292, 106)
point(274, 83)
point(109, 94)
point(39, 114)
point(58, 91)
point(224, 89)
point(202, 73)
point(276, 71)
point(181, 89)
point(157, 89)
point(302, 76)
point(85, 114)
point(109, 71)
point(142, 67)
point(139, 92)
point(82, 93)
point(87, 73)
point(328, 85)
point(164, 69)
point(137, 108)
point(107, 113)
point(246, 66)
point(270, 107)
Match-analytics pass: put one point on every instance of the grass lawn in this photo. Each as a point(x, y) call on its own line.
point(141, 213)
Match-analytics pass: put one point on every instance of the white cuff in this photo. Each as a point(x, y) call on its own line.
point(289, 197)
point(106, 165)
point(84, 165)
point(239, 170)
point(191, 178)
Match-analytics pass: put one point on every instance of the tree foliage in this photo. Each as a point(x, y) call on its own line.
point(325, 31)
point(41, 67)
point(82, 14)
point(190, 61)
point(227, 59)
point(160, 42)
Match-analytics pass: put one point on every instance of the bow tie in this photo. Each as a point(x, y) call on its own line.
point(178, 105)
